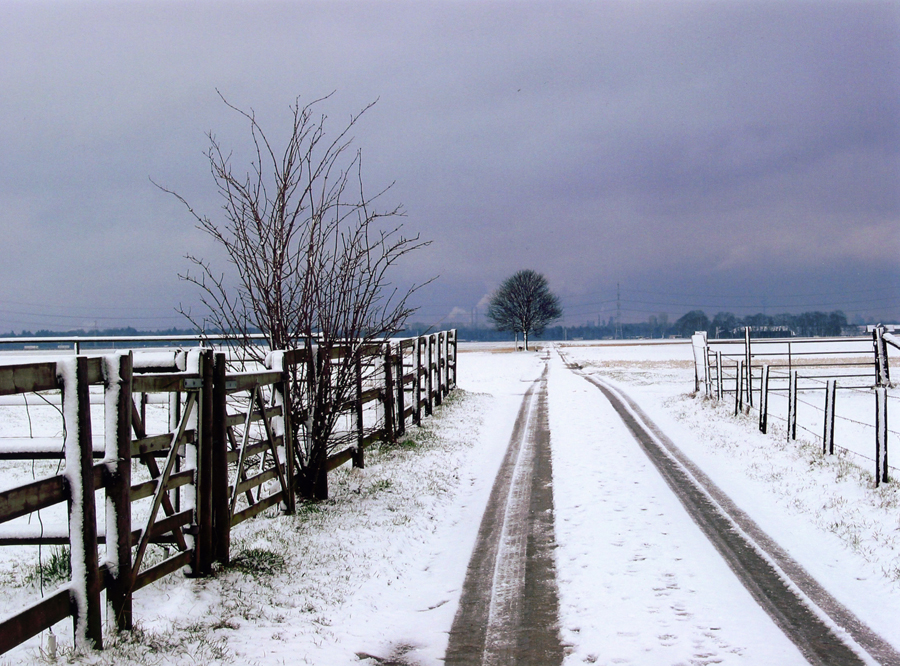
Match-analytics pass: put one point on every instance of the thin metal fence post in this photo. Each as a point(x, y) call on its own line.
point(882, 370)
point(748, 359)
point(792, 405)
point(720, 389)
point(706, 371)
point(828, 434)
point(764, 400)
point(881, 436)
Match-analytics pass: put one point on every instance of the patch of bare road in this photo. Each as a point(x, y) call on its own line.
point(509, 607)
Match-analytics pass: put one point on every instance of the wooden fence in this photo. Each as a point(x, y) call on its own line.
point(228, 455)
point(753, 370)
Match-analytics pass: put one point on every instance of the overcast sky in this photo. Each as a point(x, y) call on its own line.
point(740, 156)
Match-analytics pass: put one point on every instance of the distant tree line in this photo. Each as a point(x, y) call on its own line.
point(102, 333)
point(722, 325)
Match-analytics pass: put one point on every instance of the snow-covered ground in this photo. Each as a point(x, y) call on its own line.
point(377, 570)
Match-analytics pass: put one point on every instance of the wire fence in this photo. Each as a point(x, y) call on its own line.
point(794, 373)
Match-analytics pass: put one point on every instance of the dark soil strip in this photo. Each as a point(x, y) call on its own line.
point(535, 633)
point(716, 515)
point(538, 639)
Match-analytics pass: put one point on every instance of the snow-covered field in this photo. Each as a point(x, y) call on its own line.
point(376, 571)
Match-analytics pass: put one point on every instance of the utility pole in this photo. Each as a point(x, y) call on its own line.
point(618, 333)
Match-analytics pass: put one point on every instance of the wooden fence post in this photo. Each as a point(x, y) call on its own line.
point(388, 394)
point(203, 544)
point(455, 356)
point(828, 434)
point(794, 378)
point(359, 456)
point(881, 436)
point(221, 501)
point(446, 363)
point(400, 418)
point(439, 366)
point(738, 388)
point(429, 371)
point(417, 394)
point(290, 444)
point(118, 496)
point(764, 401)
point(83, 513)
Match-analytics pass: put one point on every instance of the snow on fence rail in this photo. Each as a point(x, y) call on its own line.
point(226, 456)
point(754, 371)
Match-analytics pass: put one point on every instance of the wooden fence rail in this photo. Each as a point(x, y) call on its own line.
point(229, 454)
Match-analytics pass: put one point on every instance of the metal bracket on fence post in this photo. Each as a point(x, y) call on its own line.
point(881, 436)
point(764, 401)
point(828, 434)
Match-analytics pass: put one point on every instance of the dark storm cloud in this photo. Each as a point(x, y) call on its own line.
point(747, 151)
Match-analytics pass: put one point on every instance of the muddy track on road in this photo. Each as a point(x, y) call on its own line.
point(509, 606)
point(824, 630)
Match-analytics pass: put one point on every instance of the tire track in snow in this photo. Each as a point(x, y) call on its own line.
point(824, 630)
point(508, 609)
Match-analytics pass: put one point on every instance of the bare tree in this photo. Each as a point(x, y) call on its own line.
point(313, 256)
point(524, 304)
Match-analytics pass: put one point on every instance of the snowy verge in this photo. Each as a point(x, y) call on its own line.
point(375, 571)
point(823, 510)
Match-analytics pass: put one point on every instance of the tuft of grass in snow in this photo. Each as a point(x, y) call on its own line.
point(56, 569)
point(257, 562)
point(182, 645)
